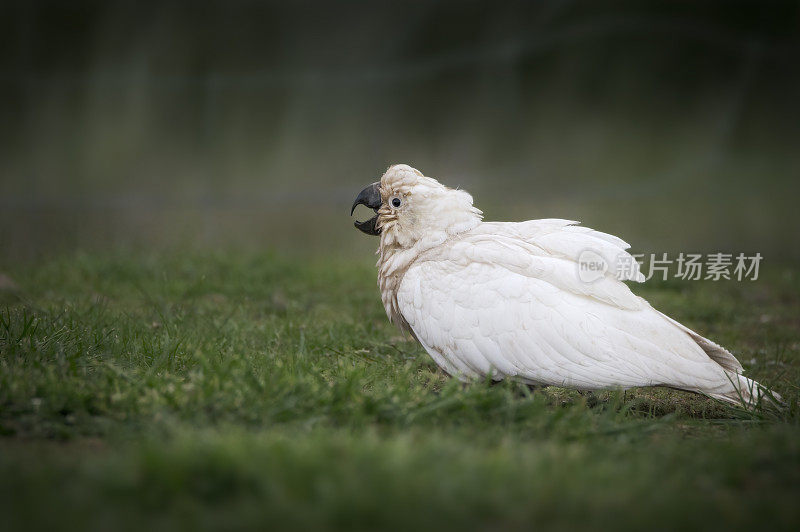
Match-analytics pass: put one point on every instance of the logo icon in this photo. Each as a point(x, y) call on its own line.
point(591, 266)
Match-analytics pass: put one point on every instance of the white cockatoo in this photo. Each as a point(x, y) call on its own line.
point(509, 300)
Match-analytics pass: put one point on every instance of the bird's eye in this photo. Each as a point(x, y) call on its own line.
point(396, 202)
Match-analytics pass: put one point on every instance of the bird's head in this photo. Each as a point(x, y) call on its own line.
point(409, 207)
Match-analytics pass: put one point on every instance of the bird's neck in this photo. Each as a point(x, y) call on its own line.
point(394, 260)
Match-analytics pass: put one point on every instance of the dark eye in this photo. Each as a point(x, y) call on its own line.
point(396, 202)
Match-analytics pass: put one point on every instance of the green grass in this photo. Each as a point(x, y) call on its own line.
point(219, 390)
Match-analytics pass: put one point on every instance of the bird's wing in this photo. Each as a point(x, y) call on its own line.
point(489, 304)
point(568, 239)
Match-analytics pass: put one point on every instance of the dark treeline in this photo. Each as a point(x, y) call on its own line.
point(553, 99)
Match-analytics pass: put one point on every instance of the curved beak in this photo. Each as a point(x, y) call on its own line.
point(370, 197)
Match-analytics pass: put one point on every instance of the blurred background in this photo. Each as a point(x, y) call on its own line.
point(675, 125)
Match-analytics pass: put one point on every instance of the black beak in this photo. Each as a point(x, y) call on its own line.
point(371, 197)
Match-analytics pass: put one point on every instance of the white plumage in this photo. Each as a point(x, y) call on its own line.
point(505, 300)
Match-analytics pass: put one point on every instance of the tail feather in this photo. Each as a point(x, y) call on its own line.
point(716, 352)
point(748, 393)
point(742, 391)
